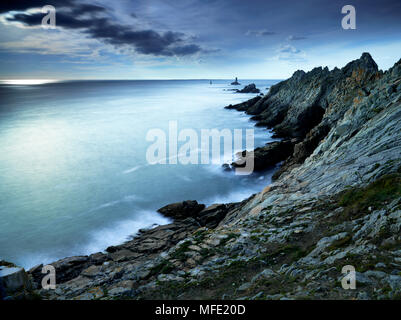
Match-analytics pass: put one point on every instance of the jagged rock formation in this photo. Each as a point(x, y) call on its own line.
point(250, 88)
point(336, 202)
point(305, 107)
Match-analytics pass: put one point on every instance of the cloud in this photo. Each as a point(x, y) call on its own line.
point(92, 20)
point(61, 44)
point(22, 5)
point(186, 49)
point(296, 38)
point(260, 33)
point(289, 49)
point(289, 53)
point(62, 20)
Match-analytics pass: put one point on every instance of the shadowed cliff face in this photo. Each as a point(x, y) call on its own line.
point(307, 105)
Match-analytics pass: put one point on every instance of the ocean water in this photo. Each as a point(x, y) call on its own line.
point(73, 169)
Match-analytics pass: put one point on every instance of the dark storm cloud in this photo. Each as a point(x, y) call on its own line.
point(100, 27)
point(186, 49)
point(22, 5)
point(145, 41)
point(63, 20)
point(86, 8)
point(222, 23)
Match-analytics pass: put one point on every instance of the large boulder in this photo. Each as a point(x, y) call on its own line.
point(12, 279)
point(182, 210)
point(269, 155)
point(211, 216)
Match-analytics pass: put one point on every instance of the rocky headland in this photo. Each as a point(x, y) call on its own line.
point(334, 201)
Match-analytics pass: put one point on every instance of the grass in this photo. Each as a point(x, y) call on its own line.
point(356, 201)
point(206, 252)
point(165, 267)
point(180, 252)
point(230, 236)
point(289, 253)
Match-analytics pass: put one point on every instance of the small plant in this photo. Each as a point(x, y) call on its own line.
point(180, 252)
point(164, 267)
point(229, 237)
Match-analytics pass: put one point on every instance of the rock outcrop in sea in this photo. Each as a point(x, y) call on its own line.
point(335, 201)
point(250, 88)
point(235, 83)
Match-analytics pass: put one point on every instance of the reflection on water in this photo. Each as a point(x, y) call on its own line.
point(27, 81)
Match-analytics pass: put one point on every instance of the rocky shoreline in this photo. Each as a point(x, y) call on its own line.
point(335, 201)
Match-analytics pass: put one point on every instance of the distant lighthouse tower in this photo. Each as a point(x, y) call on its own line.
point(235, 83)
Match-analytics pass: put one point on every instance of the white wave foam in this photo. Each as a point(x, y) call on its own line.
point(99, 240)
point(122, 230)
point(235, 196)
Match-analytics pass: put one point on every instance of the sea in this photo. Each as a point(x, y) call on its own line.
point(74, 173)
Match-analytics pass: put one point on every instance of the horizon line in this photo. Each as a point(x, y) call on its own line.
point(153, 79)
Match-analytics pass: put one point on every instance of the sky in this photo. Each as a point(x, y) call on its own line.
point(192, 39)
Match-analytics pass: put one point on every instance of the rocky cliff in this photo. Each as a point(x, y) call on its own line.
point(335, 201)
